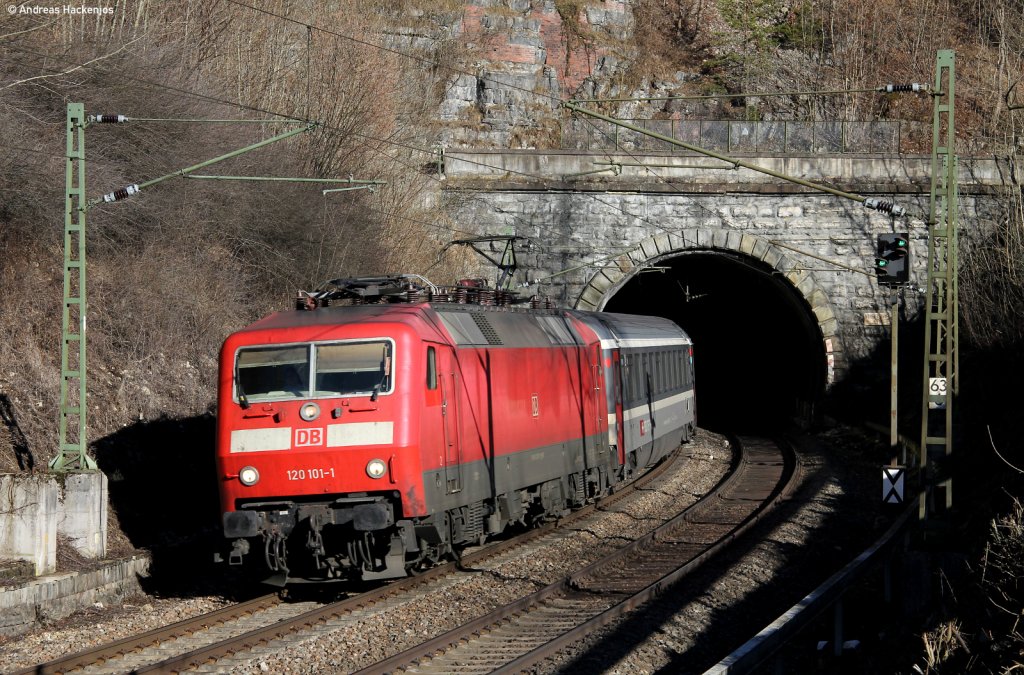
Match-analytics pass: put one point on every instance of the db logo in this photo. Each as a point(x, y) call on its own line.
point(643, 431)
point(309, 437)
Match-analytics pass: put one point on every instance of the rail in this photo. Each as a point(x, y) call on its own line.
point(518, 636)
point(283, 622)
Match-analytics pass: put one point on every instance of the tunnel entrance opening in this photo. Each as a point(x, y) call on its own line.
point(758, 352)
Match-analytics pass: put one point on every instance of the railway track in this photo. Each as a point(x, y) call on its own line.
point(205, 639)
point(521, 634)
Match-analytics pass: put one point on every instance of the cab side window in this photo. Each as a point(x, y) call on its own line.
point(431, 368)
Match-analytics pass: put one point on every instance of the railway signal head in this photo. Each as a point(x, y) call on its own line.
point(892, 265)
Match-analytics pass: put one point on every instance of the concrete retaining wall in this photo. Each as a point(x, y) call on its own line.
point(35, 508)
point(28, 520)
point(59, 595)
point(83, 513)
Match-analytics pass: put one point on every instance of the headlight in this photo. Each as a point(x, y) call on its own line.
point(309, 411)
point(249, 475)
point(375, 468)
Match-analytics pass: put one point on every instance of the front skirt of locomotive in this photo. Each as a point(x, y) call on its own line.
point(352, 537)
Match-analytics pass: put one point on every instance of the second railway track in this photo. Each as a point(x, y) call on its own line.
point(519, 635)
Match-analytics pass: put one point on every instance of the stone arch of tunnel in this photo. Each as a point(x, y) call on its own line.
point(764, 334)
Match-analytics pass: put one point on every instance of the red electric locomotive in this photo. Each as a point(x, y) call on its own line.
point(362, 441)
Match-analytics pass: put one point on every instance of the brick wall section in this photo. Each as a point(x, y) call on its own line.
point(498, 46)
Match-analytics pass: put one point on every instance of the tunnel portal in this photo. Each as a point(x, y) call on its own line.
point(759, 356)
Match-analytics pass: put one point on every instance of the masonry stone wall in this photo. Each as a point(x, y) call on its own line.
point(590, 242)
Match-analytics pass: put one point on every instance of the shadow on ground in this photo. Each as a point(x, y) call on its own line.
point(163, 492)
point(19, 444)
point(726, 624)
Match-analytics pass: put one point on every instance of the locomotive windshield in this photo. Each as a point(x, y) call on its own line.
point(314, 370)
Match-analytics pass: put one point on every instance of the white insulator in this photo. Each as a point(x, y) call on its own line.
point(108, 119)
point(123, 193)
point(877, 204)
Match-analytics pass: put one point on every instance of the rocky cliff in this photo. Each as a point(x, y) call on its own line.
point(524, 57)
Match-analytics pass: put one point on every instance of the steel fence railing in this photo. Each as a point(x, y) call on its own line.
point(781, 136)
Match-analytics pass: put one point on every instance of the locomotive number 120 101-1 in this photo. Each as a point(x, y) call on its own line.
point(311, 473)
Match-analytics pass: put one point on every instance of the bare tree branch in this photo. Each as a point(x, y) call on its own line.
point(71, 70)
point(1006, 97)
point(28, 30)
point(996, 450)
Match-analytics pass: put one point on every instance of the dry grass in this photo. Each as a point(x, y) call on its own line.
point(174, 270)
point(986, 636)
point(941, 645)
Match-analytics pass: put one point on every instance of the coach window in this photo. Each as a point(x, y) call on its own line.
point(431, 368)
point(666, 371)
point(645, 381)
point(659, 374)
point(627, 377)
point(623, 376)
point(659, 379)
point(656, 372)
point(666, 368)
point(636, 367)
point(633, 385)
point(663, 371)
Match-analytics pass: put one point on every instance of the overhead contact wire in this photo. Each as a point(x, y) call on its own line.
point(293, 119)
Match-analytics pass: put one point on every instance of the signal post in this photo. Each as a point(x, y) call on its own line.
point(892, 267)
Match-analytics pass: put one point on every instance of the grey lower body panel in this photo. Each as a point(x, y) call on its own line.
point(487, 478)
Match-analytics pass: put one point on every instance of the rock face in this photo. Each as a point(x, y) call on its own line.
point(526, 55)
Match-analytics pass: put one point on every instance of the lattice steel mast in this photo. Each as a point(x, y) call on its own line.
point(73, 407)
point(940, 336)
point(73, 441)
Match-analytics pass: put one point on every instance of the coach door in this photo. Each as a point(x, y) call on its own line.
point(620, 422)
point(449, 379)
point(599, 400)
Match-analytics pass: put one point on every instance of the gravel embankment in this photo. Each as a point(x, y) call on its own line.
point(349, 643)
point(354, 642)
point(831, 519)
point(98, 625)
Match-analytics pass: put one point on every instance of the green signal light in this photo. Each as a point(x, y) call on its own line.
point(892, 261)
